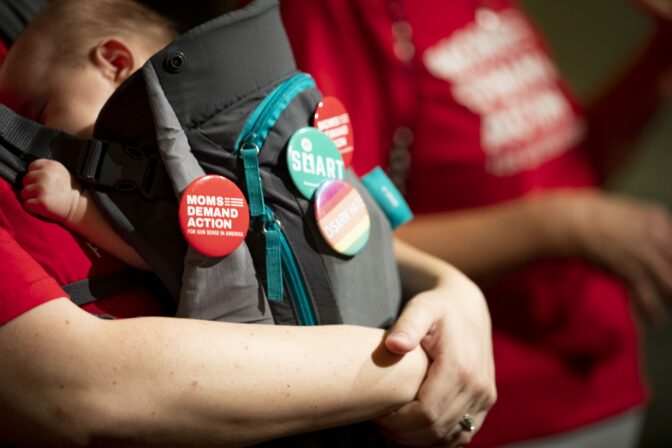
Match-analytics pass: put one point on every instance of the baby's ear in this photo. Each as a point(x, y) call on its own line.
point(115, 59)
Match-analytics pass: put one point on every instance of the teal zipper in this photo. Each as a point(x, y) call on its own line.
point(265, 116)
point(280, 258)
point(297, 287)
point(292, 275)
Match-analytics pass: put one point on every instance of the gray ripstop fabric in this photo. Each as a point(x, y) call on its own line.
point(224, 289)
point(367, 288)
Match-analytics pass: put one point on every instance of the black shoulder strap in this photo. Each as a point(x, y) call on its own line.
point(109, 285)
point(96, 163)
point(15, 15)
point(23, 140)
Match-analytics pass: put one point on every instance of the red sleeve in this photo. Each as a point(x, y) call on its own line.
point(25, 284)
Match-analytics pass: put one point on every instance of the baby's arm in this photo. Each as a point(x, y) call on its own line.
point(51, 192)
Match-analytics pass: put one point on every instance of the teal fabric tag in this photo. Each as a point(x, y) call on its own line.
point(388, 197)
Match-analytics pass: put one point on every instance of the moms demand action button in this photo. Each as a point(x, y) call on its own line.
point(214, 216)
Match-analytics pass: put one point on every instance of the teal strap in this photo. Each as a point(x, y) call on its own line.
point(255, 195)
point(273, 258)
point(250, 141)
point(388, 197)
point(258, 209)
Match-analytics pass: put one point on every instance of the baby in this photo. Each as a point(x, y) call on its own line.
point(60, 72)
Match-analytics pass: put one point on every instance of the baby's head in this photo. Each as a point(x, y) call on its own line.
point(71, 57)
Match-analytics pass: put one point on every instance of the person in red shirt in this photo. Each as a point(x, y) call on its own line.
point(462, 104)
point(68, 377)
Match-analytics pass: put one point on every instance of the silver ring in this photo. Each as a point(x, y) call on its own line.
point(467, 423)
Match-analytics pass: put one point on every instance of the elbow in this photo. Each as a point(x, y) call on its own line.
point(82, 419)
point(51, 418)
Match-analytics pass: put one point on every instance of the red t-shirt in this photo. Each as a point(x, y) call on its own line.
point(37, 256)
point(490, 120)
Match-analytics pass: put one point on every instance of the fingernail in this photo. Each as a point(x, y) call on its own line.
point(401, 337)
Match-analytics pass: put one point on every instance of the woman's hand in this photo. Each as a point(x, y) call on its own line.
point(632, 238)
point(451, 322)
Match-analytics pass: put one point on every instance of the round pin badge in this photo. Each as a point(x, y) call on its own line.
point(312, 158)
point(214, 216)
point(331, 118)
point(342, 217)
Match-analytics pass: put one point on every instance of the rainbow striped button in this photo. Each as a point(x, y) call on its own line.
point(342, 216)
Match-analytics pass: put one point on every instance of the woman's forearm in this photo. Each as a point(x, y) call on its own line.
point(421, 271)
point(150, 381)
point(484, 241)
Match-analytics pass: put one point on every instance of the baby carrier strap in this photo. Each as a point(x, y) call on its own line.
point(15, 15)
point(102, 286)
point(23, 140)
point(94, 162)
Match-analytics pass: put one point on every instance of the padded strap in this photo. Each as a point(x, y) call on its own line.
point(99, 287)
point(10, 166)
point(96, 163)
point(15, 15)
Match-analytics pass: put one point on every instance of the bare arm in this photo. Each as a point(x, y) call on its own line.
point(50, 191)
point(485, 241)
point(448, 317)
point(69, 377)
point(631, 238)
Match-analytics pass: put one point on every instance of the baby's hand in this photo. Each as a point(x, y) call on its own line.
point(50, 191)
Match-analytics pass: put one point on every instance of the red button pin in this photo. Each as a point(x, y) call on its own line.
point(332, 119)
point(214, 216)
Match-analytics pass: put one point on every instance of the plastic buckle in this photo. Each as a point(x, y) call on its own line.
point(87, 169)
point(122, 168)
point(112, 165)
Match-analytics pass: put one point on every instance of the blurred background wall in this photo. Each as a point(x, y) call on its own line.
point(590, 40)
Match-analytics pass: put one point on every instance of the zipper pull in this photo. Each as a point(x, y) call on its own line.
point(273, 257)
point(255, 195)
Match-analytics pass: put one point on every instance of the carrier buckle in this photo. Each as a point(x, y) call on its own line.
point(122, 168)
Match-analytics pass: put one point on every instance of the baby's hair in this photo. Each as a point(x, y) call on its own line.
point(76, 25)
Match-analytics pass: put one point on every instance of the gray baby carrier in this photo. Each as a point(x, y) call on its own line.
point(224, 99)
